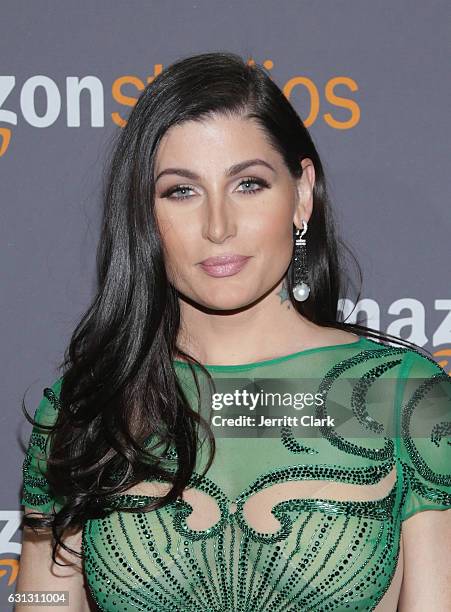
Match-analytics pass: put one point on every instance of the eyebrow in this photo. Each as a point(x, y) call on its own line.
point(235, 169)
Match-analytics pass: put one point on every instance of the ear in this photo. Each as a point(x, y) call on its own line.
point(304, 191)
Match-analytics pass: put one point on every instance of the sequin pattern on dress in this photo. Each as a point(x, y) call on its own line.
point(311, 552)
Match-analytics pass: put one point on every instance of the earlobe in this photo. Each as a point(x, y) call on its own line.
point(304, 204)
point(299, 215)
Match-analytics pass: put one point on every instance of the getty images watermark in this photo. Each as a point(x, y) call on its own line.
point(243, 398)
point(367, 407)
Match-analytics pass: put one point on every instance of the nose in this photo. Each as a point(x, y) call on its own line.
point(220, 222)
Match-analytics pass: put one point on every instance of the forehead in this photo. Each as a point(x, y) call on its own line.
point(217, 139)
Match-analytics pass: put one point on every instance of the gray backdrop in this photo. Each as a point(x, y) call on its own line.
point(377, 74)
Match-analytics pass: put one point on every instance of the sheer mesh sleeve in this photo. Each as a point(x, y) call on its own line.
point(424, 435)
point(36, 490)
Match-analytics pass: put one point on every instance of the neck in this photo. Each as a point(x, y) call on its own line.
point(268, 328)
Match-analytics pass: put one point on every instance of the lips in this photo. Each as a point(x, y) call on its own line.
point(221, 260)
point(224, 265)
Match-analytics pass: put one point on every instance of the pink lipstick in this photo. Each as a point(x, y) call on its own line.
point(224, 265)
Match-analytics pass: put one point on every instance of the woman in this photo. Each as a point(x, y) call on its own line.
point(218, 258)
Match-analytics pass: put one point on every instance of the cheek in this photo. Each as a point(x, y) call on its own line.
point(177, 231)
point(170, 243)
point(276, 242)
point(179, 249)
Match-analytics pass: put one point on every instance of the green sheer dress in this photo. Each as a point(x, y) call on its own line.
point(306, 519)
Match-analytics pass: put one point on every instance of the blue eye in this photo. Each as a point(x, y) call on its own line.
point(167, 194)
point(253, 181)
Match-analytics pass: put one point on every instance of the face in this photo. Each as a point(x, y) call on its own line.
point(212, 198)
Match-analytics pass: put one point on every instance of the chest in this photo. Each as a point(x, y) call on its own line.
point(296, 538)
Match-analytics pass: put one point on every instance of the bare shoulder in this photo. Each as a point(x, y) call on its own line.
point(330, 336)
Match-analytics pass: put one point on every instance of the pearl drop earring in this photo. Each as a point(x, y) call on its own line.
point(301, 290)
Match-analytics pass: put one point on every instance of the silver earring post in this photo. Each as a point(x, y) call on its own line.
point(301, 290)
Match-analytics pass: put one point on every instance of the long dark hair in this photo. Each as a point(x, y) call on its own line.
point(119, 387)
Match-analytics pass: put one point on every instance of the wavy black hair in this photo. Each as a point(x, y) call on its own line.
point(119, 387)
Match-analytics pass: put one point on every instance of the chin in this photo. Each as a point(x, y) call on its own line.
point(219, 299)
point(227, 300)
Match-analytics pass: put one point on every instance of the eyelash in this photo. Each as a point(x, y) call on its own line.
point(251, 179)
